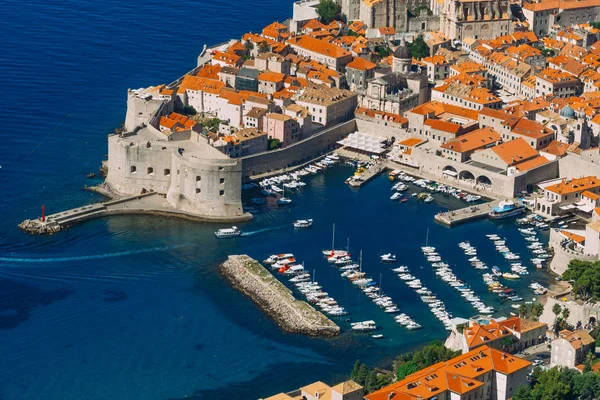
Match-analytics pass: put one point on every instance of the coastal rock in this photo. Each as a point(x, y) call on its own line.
point(292, 315)
point(37, 227)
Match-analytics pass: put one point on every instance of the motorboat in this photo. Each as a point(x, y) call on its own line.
point(388, 258)
point(303, 223)
point(284, 201)
point(228, 233)
point(377, 336)
point(395, 196)
point(364, 326)
point(506, 209)
point(272, 259)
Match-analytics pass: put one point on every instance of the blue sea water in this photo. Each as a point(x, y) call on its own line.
point(133, 307)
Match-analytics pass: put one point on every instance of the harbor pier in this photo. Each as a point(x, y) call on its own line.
point(151, 203)
point(275, 299)
point(469, 213)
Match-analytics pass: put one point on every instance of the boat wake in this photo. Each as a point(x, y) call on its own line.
point(271, 228)
point(82, 258)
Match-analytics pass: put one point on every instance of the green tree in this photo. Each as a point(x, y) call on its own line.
point(536, 310)
point(524, 310)
point(419, 49)
point(554, 384)
point(355, 370)
point(212, 124)
point(352, 33)
point(565, 313)
point(556, 309)
point(327, 10)
point(274, 144)
point(383, 51)
point(586, 386)
point(406, 369)
point(507, 342)
point(523, 393)
point(548, 53)
point(189, 110)
point(595, 25)
point(263, 47)
point(249, 46)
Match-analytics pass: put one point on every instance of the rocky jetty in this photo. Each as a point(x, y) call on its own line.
point(36, 226)
point(291, 314)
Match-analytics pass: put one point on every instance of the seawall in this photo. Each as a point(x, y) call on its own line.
point(276, 300)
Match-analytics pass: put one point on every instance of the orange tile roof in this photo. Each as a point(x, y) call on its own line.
point(529, 128)
point(556, 76)
point(388, 30)
point(319, 46)
point(227, 58)
point(574, 185)
point(469, 67)
point(556, 148)
point(443, 126)
point(438, 108)
point(382, 115)
point(313, 24)
point(209, 71)
point(190, 82)
point(411, 142)
point(435, 60)
point(532, 163)
point(458, 375)
point(177, 122)
point(590, 195)
point(271, 77)
point(473, 140)
point(361, 64)
point(514, 151)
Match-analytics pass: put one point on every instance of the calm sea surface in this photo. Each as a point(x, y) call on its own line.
point(133, 307)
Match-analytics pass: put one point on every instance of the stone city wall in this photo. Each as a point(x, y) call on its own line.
point(296, 153)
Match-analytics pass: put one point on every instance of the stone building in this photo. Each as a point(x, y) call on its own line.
point(570, 348)
point(397, 14)
point(328, 105)
point(461, 19)
point(542, 15)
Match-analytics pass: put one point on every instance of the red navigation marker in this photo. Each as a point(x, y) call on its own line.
point(43, 216)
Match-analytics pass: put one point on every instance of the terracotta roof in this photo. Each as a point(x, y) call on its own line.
point(271, 77)
point(438, 108)
point(574, 185)
point(514, 151)
point(531, 163)
point(228, 58)
point(190, 82)
point(347, 387)
point(458, 375)
point(361, 64)
point(381, 115)
point(529, 128)
point(556, 76)
point(577, 339)
point(590, 195)
point(177, 122)
point(388, 30)
point(411, 142)
point(318, 46)
point(473, 140)
point(209, 71)
point(435, 60)
point(443, 126)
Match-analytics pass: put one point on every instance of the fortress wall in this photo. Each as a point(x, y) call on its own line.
point(297, 153)
point(209, 187)
point(122, 157)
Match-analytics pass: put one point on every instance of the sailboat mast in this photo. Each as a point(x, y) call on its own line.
point(333, 238)
point(360, 262)
point(427, 238)
point(348, 246)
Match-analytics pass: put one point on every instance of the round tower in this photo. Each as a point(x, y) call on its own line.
point(402, 59)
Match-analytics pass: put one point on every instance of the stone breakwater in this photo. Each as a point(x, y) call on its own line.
point(291, 314)
point(37, 227)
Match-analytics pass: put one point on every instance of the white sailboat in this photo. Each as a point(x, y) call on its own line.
point(334, 252)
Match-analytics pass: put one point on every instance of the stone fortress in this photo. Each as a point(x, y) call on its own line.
point(195, 177)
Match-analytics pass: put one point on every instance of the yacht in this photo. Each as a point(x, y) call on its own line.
point(284, 201)
point(228, 233)
point(364, 326)
point(272, 259)
point(388, 258)
point(303, 223)
point(506, 209)
point(395, 196)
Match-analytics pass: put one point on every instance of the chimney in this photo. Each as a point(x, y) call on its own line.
point(503, 356)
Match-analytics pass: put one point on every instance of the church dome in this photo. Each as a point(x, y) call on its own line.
point(402, 52)
point(567, 112)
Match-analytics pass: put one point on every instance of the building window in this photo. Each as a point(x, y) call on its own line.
point(150, 171)
point(197, 190)
point(132, 169)
point(198, 178)
point(221, 192)
point(167, 172)
point(221, 180)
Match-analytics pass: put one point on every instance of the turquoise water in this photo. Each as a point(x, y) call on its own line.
point(132, 307)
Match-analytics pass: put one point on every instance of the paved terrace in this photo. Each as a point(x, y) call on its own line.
point(470, 213)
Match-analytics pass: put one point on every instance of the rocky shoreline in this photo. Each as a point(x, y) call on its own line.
point(276, 300)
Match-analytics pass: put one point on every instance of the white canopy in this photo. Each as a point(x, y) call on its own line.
point(449, 172)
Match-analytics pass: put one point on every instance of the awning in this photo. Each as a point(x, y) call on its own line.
point(567, 207)
point(449, 172)
point(586, 208)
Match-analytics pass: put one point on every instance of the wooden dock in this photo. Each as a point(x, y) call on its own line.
point(470, 213)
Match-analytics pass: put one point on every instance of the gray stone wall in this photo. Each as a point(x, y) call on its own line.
point(297, 153)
